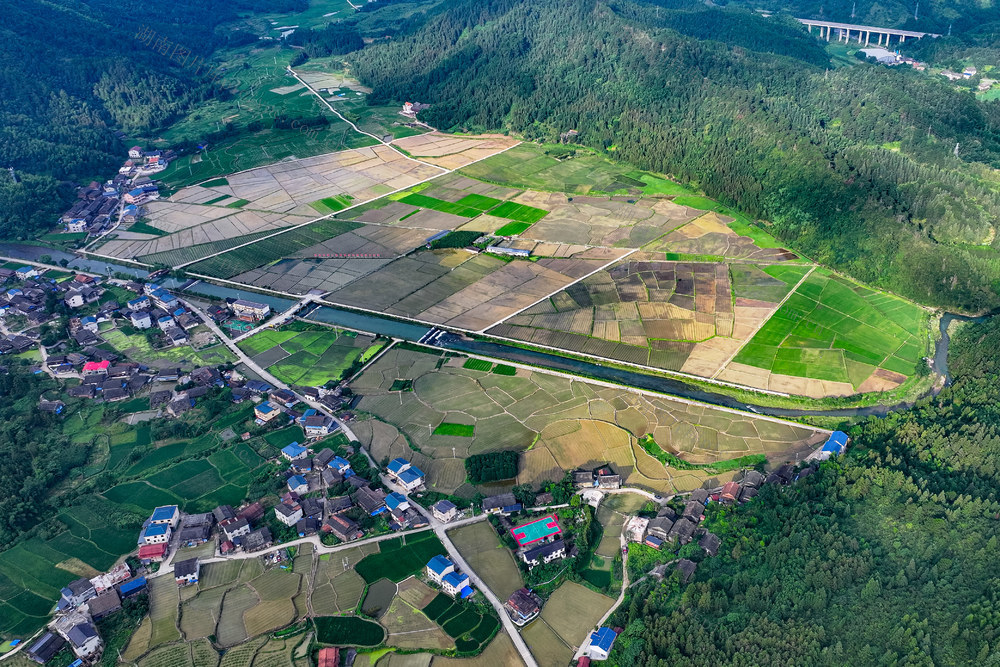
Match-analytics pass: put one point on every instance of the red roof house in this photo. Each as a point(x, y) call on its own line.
point(96, 366)
point(329, 657)
point(152, 552)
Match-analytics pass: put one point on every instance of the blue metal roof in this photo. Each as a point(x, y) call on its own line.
point(266, 407)
point(394, 500)
point(339, 462)
point(396, 465)
point(439, 564)
point(466, 592)
point(603, 639)
point(295, 481)
point(836, 443)
point(164, 513)
point(134, 585)
point(411, 475)
point(156, 529)
point(454, 579)
point(293, 450)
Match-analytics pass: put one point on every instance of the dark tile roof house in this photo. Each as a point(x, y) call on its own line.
point(323, 458)
point(339, 504)
point(699, 495)
point(223, 513)
point(752, 478)
point(498, 502)
point(747, 493)
point(370, 500)
point(196, 392)
point(257, 540)
point(687, 569)
point(693, 510)
point(543, 499)
point(660, 527)
point(710, 542)
point(158, 398)
point(544, 553)
point(311, 507)
point(682, 531)
point(342, 528)
point(307, 526)
point(46, 648)
point(104, 604)
point(82, 391)
point(331, 477)
point(358, 482)
point(195, 534)
point(252, 512)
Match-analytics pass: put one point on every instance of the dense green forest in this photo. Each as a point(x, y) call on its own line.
point(34, 454)
point(492, 466)
point(73, 71)
point(885, 173)
point(885, 557)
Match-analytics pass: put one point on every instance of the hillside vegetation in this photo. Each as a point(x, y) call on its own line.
point(855, 167)
point(885, 557)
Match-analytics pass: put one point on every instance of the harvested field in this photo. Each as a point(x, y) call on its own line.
point(453, 152)
point(479, 545)
point(500, 651)
point(571, 423)
point(710, 235)
point(416, 593)
point(289, 187)
point(408, 628)
point(573, 611)
point(545, 645)
point(461, 290)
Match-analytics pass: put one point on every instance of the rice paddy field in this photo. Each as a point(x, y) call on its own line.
point(479, 545)
point(136, 346)
point(558, 423)
point(158, 473)
point(308, 358)
point(834, 336)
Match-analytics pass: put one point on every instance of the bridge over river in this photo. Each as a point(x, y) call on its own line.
point(864, 34)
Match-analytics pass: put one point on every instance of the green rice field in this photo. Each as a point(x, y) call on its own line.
point(458, 430)
point(423, 201)
point(397, 560)
point(519, 212)
point(309, 358)
point(834, 329)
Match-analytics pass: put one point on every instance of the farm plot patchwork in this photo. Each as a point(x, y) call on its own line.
point(564, 169)
point(453, 152)
point(679, 316)
point(468, 628)
point(714, 236)
point(834, 337)
point(479, 545)
point(559, 424)
point(308, 358)
point(337, 261)
point(573, 611)
point(465, 291)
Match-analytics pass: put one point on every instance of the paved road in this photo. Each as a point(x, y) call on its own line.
point(441, 530)
point(252, 365)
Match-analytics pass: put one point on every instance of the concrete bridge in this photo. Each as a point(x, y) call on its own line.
point(864, 34)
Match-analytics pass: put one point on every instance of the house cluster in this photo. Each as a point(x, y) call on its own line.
point(81, 604)
point(523, 606)
point(158, 307)
point(27, 295)
point(236, 531)
point(405, 474)
point(503, 504)
point(442, 572)
point(96, 205)
point(602, 477)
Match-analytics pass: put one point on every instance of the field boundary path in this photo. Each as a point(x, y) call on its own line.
point(441, 530)
point(760, 326)
point(621, 598)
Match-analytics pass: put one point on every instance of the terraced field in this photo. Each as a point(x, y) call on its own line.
point(558, 423)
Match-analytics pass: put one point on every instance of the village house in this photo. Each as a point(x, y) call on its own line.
point(306, 526)
point(710, 543)
point(601, 642)
point(371, 501)
point(323, 458)
point(111, 578)
point(76, 593)
point(342, 528)
point(265, 412)
point(257, 540)
point(438, 567)
point(283, 397)
point(166, 514)
point(177, 336)
point(729, 492)
point(186, 571)
point(397, 503)
point(106, 603)
point(682, 531)
point(223, 513)
point(341, 465)
point(444, 510)
point(152, 553)
point(250, 311)
point(316, 426)
point(46, 648)
point(544, 553)
point(405, 474)
point(523, 606)
point(252, 512)
point(339, 504)
point(235, 528)
point(635, 529)
point(84, 640)
point(158, 533)
point(496, 504)
point(294, 452)
point(608, 478)
point(134, 587)
point(456, 584)
point(287, 514)
point(298, 484)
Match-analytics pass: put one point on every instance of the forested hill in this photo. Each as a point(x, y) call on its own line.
point(70, 70)
point(887, 557)
point(856, 167)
